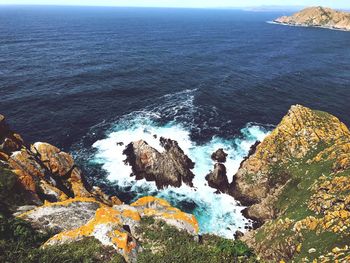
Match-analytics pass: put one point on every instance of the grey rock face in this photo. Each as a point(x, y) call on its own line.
point(217, 178)
point(169, 168)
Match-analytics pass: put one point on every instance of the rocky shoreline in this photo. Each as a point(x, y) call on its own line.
point(295, 185)
point(320, 17)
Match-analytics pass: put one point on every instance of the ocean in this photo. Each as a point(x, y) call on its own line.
point(85, 78)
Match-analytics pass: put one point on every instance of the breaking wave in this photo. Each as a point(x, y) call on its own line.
point(217, 213)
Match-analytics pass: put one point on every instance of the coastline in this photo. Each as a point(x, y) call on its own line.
point(301, 25)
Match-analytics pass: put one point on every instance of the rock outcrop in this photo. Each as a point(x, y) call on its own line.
point(219, 156)
point(295, 183)
point(301, 131)
point(63, 202)
point(172, 167)
point(318, 17)
point(218, 178)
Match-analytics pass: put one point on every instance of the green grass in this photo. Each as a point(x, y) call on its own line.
point(293, 204)
point(167, 244)
point(20, 243)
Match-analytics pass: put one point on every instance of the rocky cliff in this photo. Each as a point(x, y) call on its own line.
point(296, 185)
point(318, 17)
point(46, 201)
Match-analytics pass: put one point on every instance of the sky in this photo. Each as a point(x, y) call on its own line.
point(185, 3)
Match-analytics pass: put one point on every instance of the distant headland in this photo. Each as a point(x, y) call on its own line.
point(318, 17)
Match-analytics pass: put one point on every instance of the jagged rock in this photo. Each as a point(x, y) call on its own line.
point(219, 156)
point(75, 210)
point(217, 178)
point(171, 167)
point(47, 172)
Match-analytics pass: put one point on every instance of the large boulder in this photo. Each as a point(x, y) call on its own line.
point(172, 167)
point(217, 178)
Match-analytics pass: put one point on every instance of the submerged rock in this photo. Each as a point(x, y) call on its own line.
point(172, 167)
point(217, 178)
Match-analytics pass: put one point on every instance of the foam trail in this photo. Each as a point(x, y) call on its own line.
point(217, 213)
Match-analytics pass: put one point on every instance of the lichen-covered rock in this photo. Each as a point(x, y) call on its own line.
point(49, 173)
point(300, 132)
point(112, 226)
point(161, 209)
point(107, 227)
point(296, 184)
point(169, 168)
point(75, 210)
point(218, 178)
point(62, 216)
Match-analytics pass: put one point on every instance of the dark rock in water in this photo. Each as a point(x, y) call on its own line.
point(218, 179)
point(155, 136)
point(219, 156)
point(169, 168)
point(120, 143)
point(238, 234)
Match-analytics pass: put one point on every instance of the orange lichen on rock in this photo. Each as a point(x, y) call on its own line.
point(161, 209)
point(339, 152)
point(330, 201)
point(134, 215)
point(26, 181)
point(3, 156)
point(116, 201)
point(151, 200)
point(106, 226)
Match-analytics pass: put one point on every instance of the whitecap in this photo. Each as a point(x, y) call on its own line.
point(217, 213)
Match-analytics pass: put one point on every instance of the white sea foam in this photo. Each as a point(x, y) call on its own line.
point(216, 213)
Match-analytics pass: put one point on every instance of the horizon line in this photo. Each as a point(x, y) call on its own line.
point(145, 6)
point(244, 8)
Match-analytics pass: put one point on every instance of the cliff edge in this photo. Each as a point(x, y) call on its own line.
point(296, 184)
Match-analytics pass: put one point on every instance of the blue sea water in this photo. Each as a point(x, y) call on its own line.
point(84, 78)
